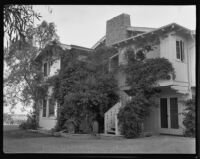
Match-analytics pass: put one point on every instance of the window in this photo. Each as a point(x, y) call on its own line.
point(51, 107)
point(44, 108)
point(47, 66)
point(180, 50)
point(45, 69)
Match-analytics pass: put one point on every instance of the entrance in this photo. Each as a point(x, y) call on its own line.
point(169, 121)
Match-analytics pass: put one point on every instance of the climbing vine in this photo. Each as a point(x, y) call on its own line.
point(84, 90)
point(142, 77)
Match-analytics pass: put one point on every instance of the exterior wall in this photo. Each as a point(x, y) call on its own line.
point(153, 124)
point(192, 62)
point(168, 50)
point(55, 67)
point(155, 53)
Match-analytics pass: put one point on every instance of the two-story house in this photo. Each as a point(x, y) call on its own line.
point(51, 62)
point(173, 42)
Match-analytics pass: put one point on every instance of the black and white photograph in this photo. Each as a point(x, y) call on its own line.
point(99, 79)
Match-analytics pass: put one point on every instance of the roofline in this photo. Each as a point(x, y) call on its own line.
point(141, 29)
point(152, 32)
point(68, 47)
point(98, 42)
point(81, 47)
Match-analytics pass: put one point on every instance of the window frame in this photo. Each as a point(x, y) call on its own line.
point(43, 108)
point(45, 72)
point(180, 53)
point(51, 102)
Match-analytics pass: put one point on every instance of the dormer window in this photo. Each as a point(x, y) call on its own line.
point(180, 50)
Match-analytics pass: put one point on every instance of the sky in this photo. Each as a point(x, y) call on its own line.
point(84, 25)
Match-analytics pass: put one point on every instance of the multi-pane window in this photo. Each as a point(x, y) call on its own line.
point(180, 50)
point(51, 107)
point(44, 108)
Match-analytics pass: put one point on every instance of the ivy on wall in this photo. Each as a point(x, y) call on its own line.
point(142, 77)
point(84, 90)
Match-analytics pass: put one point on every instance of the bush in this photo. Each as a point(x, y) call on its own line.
point(30, 123)
point(189, 120)
point(131, 125)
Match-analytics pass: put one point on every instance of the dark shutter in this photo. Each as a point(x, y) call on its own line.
point(163, 113)
point(174, 113)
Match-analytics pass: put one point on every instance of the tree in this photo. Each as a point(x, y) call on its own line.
point(17, 18)
point(143, 75)
point(25, 72)
point(45, 32)
point(85, 91)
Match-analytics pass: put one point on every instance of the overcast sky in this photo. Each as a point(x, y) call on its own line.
point(84, 25)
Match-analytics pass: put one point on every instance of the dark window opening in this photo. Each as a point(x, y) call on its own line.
point(51, 107)
point(45, 69)
point(180, 50)
point(44, 108)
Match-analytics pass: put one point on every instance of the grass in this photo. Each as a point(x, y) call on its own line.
point(20, 141)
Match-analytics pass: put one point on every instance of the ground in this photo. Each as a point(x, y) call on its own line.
point(20, 141)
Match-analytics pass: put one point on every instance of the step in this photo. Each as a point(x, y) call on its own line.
point(111, 136)
point(111, 132)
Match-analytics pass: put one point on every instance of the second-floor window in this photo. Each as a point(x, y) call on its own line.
point(180, 50)
point(45, 69)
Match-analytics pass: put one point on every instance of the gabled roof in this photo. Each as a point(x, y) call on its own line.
point(146, 31)
point(172, 25)
point(66, 47)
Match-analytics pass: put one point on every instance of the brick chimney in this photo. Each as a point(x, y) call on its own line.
point(116, 28)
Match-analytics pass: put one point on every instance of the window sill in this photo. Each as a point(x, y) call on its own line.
point(181, 61)
point(49, 118)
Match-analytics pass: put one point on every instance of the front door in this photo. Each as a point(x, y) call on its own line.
point(169, 116)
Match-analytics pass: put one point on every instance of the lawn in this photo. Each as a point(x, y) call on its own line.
point(20, 141)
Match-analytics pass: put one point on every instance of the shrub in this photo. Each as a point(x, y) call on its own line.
point(189, 120)
point(30, 123)
point(130, 121)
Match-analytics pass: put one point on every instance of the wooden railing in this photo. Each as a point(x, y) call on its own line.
point(111, 121)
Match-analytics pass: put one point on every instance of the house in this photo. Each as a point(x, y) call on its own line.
point(172, 41)
point(50, 67)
